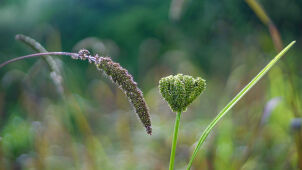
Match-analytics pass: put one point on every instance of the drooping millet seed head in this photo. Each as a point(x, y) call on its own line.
point(124, 80)
point(181, 90)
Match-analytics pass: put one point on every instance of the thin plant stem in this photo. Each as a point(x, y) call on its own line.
point(257, 8)
point(37, 55)
point(235, 100)
point(265, 19)
point(174, 141)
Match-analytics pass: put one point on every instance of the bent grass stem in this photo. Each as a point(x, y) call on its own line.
point(36, 55)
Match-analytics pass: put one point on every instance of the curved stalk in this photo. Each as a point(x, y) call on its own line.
point(236, 99)
point(37, 55)
point(174, 141)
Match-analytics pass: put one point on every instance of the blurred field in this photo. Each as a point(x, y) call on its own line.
point(92, 125)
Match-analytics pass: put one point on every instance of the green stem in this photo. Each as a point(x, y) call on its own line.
point(174, 142)
point(235, 100)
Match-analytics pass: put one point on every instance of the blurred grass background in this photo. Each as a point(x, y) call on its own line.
point(93, 125)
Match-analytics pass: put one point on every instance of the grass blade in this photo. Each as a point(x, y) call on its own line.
point(236, 99)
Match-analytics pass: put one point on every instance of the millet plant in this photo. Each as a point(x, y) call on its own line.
point(110, 69)
point(179, 91)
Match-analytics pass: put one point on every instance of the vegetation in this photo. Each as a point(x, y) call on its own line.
point(59, 113)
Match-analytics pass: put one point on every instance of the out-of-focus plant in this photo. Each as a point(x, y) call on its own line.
point(265, 19)
point(296, 125)
point(17, 137)
point(55, 73)
point(294, 99)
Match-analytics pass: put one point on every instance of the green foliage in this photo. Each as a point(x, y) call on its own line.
point(181, 90)
point(216, 39)
point(17, 137)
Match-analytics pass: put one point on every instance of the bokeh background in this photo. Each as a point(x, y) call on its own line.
point(91, 125)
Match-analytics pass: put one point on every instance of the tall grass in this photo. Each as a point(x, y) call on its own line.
point(225, 110)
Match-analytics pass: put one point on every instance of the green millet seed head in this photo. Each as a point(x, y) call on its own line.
point(181, 90)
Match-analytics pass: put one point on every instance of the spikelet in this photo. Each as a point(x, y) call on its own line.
point(124, 80)
point(181, 90)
